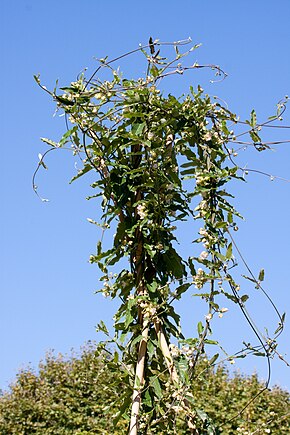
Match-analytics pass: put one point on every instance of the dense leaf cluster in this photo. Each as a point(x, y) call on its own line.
point(77, 395)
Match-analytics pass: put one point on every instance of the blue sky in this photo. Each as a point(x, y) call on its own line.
point(47, 284)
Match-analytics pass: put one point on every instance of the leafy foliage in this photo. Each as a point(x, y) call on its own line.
point(77, 395)
point(155, 156)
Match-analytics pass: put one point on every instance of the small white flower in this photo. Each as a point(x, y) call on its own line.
point(203, 232)
point(141, 211)
point(174, 350)
point(203, 255)
point(207, 136)
point(177, 408)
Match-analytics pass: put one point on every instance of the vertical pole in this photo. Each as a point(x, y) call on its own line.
point(139, 379)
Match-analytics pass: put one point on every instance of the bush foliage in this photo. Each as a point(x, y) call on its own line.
point(79, 395)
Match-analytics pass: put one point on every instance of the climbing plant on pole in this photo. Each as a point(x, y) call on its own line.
point(160, 161)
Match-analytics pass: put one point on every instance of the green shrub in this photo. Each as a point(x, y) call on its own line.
point(79, 395)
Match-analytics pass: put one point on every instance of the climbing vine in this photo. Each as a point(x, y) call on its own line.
point(160, 161)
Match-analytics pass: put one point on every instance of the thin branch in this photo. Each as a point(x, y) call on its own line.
point(142, 47)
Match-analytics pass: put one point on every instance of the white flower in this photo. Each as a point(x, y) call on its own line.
point(174, 350)
point(177, 408)
point(208, 316)
point(207, 136)
point(141, 211)
point(203, 255)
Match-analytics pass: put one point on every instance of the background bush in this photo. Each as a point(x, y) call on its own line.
point(76, 395)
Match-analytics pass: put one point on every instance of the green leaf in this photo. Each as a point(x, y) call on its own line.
point(191, 266)
point(147, 399)
point(124, 407)
point(137, 129)
point(41, 162)
point(65, 138)
point(229, 252)
point(136, 340)
point(174, 263)
point(220, 256)
point(253, 121)
point(37, 78)
point(254, 136)
point(182, 366)
point(190, 171)
point(189, 164)
point(259, 353)
point(207, 422)
point(101, 327)
point(181, 289)
point(150, 249)
point(221, 225)
point(250, 279)
point(213, 359)
point(261, 275)
point(81, 172)
point(154, 71)
point(49, 142)
point(128, 319)
point(101, 255)
point(244, 298)
point(200, 328)
point(152, 287)
point(64, 101)
point(207, 341)
point(133, 114)
point(120, 232)
point(155, 384)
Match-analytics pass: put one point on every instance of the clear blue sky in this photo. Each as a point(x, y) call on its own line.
point(47, 284)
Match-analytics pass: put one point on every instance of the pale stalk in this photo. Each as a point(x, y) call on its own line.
point(139, 379)
point(173, 372)
point(166, 352)
point(143, 320)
